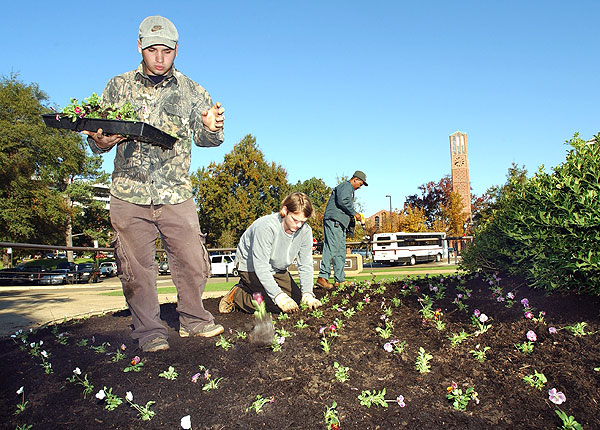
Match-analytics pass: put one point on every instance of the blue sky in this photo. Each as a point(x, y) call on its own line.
point(330, 87)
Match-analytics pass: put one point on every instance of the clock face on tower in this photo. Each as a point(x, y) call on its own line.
point(459, 161)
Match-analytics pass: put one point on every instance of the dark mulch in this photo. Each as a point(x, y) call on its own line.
point(301, 377)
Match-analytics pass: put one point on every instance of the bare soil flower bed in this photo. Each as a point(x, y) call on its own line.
point(380, 336)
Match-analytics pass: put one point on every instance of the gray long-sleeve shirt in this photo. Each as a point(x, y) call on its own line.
point(265, 248)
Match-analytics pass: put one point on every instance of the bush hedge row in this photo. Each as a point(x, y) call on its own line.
point(548, 228)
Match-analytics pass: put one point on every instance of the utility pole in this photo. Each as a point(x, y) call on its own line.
point(391, 228)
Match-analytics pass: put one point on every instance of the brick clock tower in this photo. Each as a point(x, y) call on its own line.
point(459, 157)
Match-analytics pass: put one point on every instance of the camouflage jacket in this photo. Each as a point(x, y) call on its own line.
point(145, 173)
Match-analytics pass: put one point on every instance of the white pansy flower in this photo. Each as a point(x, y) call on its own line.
point(186, 422)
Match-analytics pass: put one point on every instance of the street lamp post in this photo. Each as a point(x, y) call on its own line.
point(391, 228)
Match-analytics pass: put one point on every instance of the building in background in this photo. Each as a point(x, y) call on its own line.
point(380, 220)
point(459, 157)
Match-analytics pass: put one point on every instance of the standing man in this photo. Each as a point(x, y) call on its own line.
point(151, 191)
point(338, 213)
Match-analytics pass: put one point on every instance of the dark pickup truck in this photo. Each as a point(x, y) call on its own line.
point(29, 275)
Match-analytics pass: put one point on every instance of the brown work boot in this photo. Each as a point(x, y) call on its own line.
point(324, 283)
point(336, 284)
point(226, 304)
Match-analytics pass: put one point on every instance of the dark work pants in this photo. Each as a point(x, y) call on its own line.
point(136, 229)
point(334, 249)
point(250, 284)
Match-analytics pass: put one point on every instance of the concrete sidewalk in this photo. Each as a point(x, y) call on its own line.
point(37, 306)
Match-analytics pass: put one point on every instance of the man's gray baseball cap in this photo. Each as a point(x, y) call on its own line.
point(361, 175)
point(158, 30)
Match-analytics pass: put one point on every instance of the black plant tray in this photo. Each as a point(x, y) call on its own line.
point(140, 131)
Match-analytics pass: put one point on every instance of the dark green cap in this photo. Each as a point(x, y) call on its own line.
point(361, 175)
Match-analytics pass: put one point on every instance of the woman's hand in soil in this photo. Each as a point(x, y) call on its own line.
point(102, 141)
point(285, 303)
point(311, 301)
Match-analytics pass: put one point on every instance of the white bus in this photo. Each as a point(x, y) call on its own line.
point(394, 248)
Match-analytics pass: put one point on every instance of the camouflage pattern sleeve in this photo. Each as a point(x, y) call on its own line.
point(201, 101)
point(145, 173)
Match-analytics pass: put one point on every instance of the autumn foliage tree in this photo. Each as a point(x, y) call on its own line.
point(441, 208)
point(433, 198)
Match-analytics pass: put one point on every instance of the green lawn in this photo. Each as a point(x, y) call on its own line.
point(390, 272)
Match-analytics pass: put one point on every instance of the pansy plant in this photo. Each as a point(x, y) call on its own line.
point(112, 401)
point(537, 380)
point(423, 359)
point(341, 372)
point(170, 374)
point(135, 365)
point(527, 347)
point(332, 420)
point(460, 399)
point(144, 412)
point(223, 343)
point(259, 403)
point(23, 403)
point(368, 399)
point(76, 378)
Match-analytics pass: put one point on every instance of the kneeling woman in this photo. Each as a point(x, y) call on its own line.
point(265, 251)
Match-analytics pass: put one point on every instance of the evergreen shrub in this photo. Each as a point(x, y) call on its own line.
point(548, 228)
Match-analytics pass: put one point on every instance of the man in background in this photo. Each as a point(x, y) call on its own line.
point(338, 213)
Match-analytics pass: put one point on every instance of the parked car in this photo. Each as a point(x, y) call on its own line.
point(108, 268)
point(365, 255)
point(86, 272)
point(72, 267)
point(163, 267)
point(30, 275)
point(58, 277)
point(222, 264)
point(7, 276)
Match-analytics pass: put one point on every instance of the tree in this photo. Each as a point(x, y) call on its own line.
point(231, 195)
point(412, 219)
point(37, 168)
point(91, 220)
point(318, 193)
point(484, 206)
point(441, 207)
point(434, 196)
point(452, 217)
